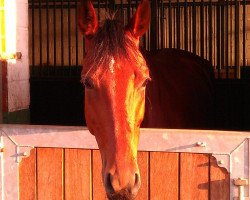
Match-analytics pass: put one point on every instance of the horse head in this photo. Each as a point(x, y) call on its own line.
point(115, 75)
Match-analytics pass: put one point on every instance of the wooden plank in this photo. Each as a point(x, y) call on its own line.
point(50, 173)
point(219, 181)
point(143, 166)
point(27, 177)
point(194, 176)
point(164, 176)
point(77, 174)
point(98, 188)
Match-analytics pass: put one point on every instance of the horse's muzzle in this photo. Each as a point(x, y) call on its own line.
point(122, 188)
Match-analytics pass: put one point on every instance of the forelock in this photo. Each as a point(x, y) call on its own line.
point(111, 42)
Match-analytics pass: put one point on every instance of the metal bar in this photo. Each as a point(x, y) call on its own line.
point(47, 26)
point(178, 25)
point(162, 24)
point(185, 26)
point(237, 41)
point(218, 45)
point(222, 52)
point(202, 30)
point(121, 10)
point(154, 25)
point(206, 31)
point(174, 27)
point(226, 39)
point(170, 24)
point(54, 23)
point(244, 33)
point(76, 31)
point(62, 35)
point(210, 31)
point(98, 9)
point(194, 26)
point(69, 34)
point(40, 34)
point(231, 35)
point(129, 10)
point(33, 36)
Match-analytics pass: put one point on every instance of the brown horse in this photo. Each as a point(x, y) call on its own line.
point(115, 75)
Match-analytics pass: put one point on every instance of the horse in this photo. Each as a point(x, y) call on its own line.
point(172, 88)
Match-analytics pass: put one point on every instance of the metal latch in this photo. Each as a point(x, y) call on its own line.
point(240, 183)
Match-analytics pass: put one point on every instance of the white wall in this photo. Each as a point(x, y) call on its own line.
point(18, 73)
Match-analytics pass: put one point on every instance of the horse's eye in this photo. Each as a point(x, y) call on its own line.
point(145, 82)
point(88, 83)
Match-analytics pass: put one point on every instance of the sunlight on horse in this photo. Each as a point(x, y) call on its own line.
point(115, 75)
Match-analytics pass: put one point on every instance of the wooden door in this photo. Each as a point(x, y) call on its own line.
point(72, 174)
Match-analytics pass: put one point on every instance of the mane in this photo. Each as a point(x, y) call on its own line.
point(111, 43)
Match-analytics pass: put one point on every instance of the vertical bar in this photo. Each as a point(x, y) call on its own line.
point(69, 35)
point(158, 28)
point(170, 24)
point(54, 23)
point(194, 26)
point(33, 36)
point(76, 30)
point(231, 35)
point(226, 39)
point(98, 9)
point(162, 24)
point(122, 13)
point(40, 32)
point(218, 20)
point(154, 25)
point(206, 32)
point(185, 26)
point(210, 31)
point(178, 29)
point(129, 10)
point(202, 29)
point(47, 26)
point(174, 26)
point(237, 40)
point(244, 33)
point(62, 36)
point(222, 59)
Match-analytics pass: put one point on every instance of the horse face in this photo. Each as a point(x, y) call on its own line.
point(115, 76)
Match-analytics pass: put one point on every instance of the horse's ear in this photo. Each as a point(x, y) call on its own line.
point(139, 23)
point(87, 19)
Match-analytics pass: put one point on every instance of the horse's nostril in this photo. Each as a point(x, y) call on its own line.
point(130, 187)
point(137, 184)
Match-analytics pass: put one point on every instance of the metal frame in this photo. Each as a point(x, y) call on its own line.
point(174, 24)
point(231, 149)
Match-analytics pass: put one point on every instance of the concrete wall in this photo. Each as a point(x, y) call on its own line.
point(16, 96)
